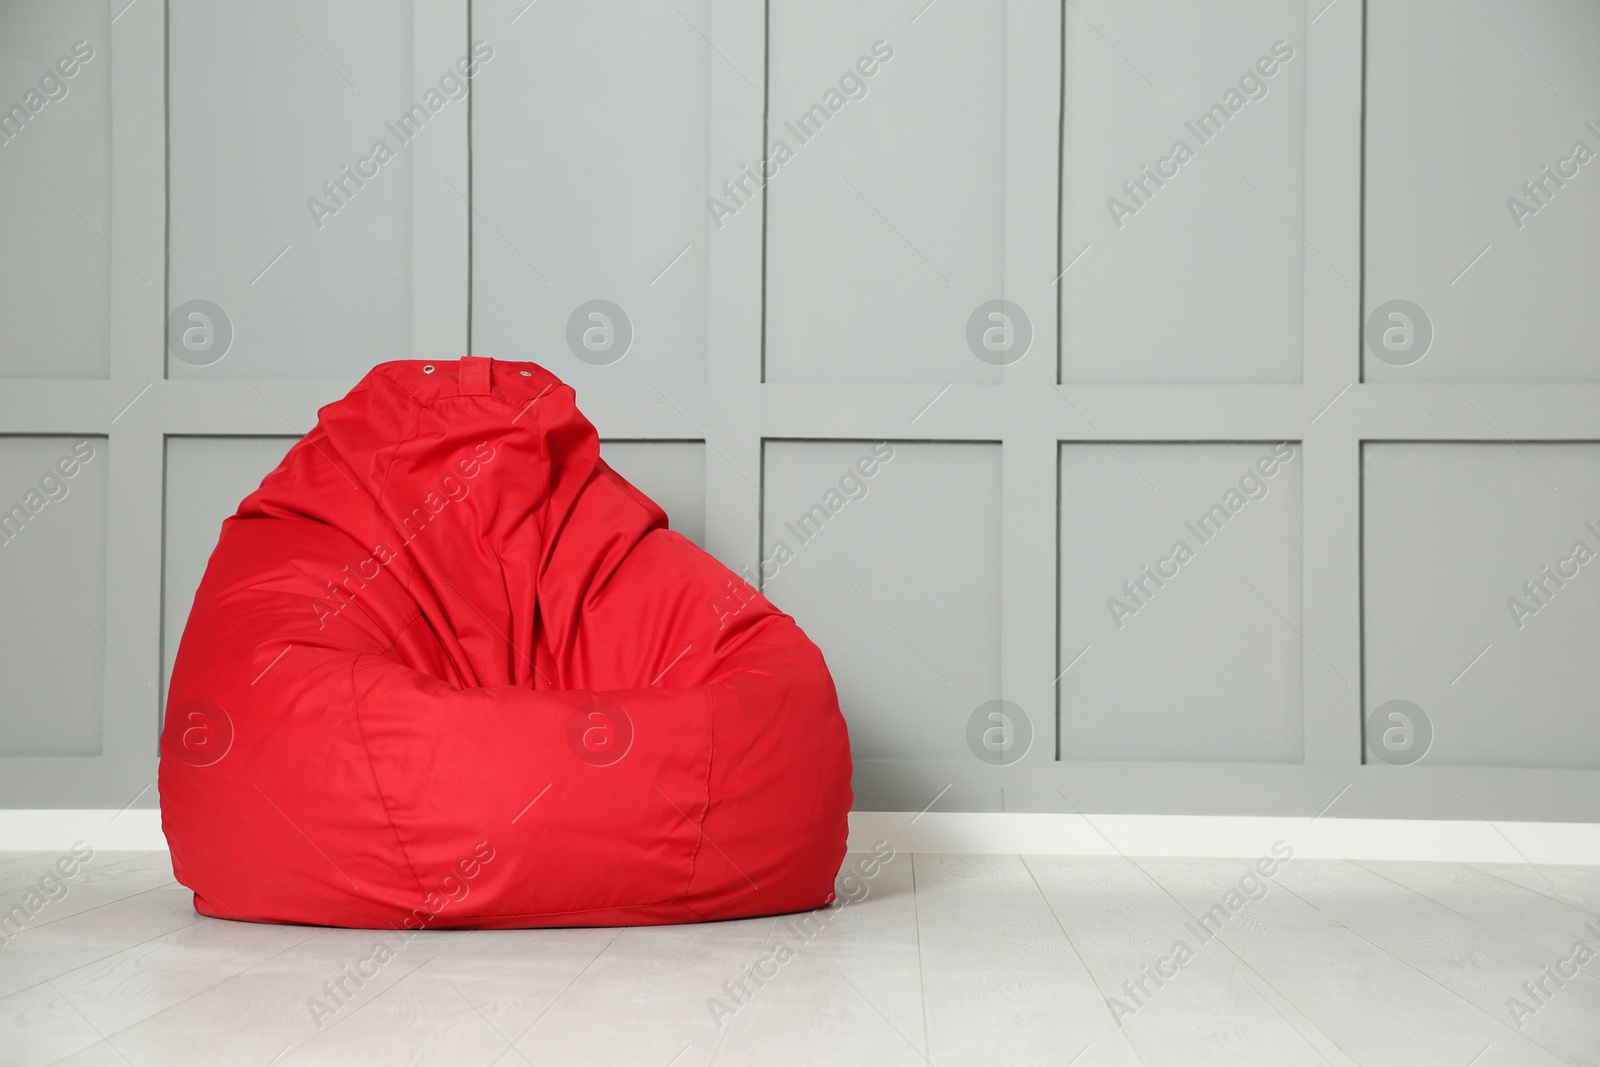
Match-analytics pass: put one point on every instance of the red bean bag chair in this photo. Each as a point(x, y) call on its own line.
point(446, 668)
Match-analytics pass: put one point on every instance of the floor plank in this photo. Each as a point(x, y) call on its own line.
point(420, 1020)
point(1578, 887)
point(849, 989)
point(130, 986)
point(23, 868)
point(1004, 985)
point(642, 999)
point(49, 949)
point(1542, 922)
point(28, 869)
point(1380, 1010)
point(106, 878)
point(1212, 1009)
point(1479, 962)
point(39, 1025)
point(99, 1054)
point(290, 999)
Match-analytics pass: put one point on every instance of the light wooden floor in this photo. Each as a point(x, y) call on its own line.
point(948, 960)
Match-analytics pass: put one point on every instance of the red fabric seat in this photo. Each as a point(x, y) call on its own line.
point(447, 668)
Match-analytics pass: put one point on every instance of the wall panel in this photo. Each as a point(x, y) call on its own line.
point(55, 173)
point(1183, 189)
point(1482, 597)
point(1180, 602)
point(885, 214)
point(1474, 114)
point(295, 227)
point(590, 176)
point(53, 581)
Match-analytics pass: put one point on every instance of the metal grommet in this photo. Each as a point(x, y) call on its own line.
point(527, 373)
point(428, 369)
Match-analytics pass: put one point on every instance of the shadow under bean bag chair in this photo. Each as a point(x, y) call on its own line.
point(446, 668)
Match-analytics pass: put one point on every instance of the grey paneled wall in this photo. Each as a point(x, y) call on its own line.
point(589, 179)
point(1186, 556)
point(907, 677)
point(53, 581)
point(1482, 209)
point(1176, 206)
point(55, 172)
point(1483, 608)
point(315, 279)
point(1134, 400)
point(885, 214)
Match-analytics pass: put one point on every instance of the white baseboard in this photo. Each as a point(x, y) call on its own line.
point(1242, 836)
point(58, 829)
point(1247, 837)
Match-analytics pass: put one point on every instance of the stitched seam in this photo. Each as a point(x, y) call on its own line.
point(581, 911)
point(700, 836)
point(394, 457)
point(377, 785)
point(690, 910)
point(541, 441)
point(388, 372)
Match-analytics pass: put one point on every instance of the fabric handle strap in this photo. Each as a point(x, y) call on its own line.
point(473, 377)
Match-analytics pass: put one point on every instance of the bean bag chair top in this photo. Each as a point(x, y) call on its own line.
point(446, 668)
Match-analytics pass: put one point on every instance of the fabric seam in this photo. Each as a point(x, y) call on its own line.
point(700, 831)
point(372, 771)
